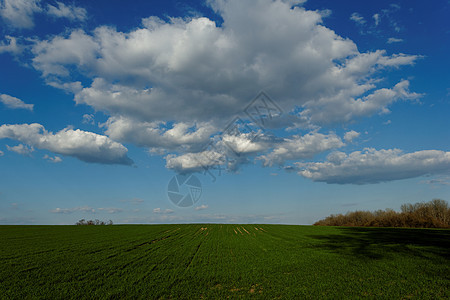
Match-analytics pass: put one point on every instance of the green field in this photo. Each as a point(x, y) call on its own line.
point(220, 261)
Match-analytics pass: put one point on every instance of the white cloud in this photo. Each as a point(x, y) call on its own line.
point(158, 135)
point(51, 56)
point(14, 103)
point(88, 119)
point(394, 40)
point(300, 147)
point(201, 207)
point(55, 159)
point(374, 166)
point(245, 143)
point(377, 19)
point(21, 149)
point(194, 162)
point(85, 209)
point(19, 13)
point(343, 107)
point(351, 135)
point(70, 12)
point(11, 46)
point(84, 145)
point(110, 210)
point(357, 18)
point(166, 57)
point(2, 153)
point(163, 211)
point(171, 85)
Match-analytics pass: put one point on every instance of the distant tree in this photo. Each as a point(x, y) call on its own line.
point(433, 214)
point(81, 222)
point(93, 222)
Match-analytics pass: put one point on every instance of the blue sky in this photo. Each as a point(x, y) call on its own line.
point(103, 102)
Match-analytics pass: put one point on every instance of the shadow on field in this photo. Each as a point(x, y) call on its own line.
point(377, 243)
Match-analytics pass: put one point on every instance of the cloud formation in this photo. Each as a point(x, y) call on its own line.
point(394, 40)
point(14, 103)
point(10, 46)
point(71, 12)
point(84, 145)
point(55, 159)
point(172, 85)
point(19, 13)
point(357, 18)
point(374, 166)
point(190, 69)
point(84, 209)
point(110, 210)
point(301, 147)
point(163, 211)
point(351, 135)
point(21, 149)
point(201, 207)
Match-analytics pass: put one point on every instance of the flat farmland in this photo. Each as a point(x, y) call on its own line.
point(193, 261)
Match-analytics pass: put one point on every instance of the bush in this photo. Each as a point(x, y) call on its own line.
point(93, 222)
point(433, 214)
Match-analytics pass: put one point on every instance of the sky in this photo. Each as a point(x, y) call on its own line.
point(224, 111)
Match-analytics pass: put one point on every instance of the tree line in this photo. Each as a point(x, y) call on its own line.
point(432, 214)
point(93, 222)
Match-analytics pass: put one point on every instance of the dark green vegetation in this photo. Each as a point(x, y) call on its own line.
point(433, 214)
point(216, 261)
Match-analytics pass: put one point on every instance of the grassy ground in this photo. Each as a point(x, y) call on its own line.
point(217, 261)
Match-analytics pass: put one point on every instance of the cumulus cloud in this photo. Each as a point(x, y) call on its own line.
point(86, 146)
point(351, 135)
point(194, 162)
point(163, 211)
point(21, 149)
point(19, 13)
point(1, 153)
point(300, 147)
point(230, 150)
point(14, 103)
point(374, 166)
point(52, 56)
point(343, 106)
point(178, 136)
point(55, 159)
point(85, 209)
point(191, 69)
point(71, 12)
point(172, 85)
